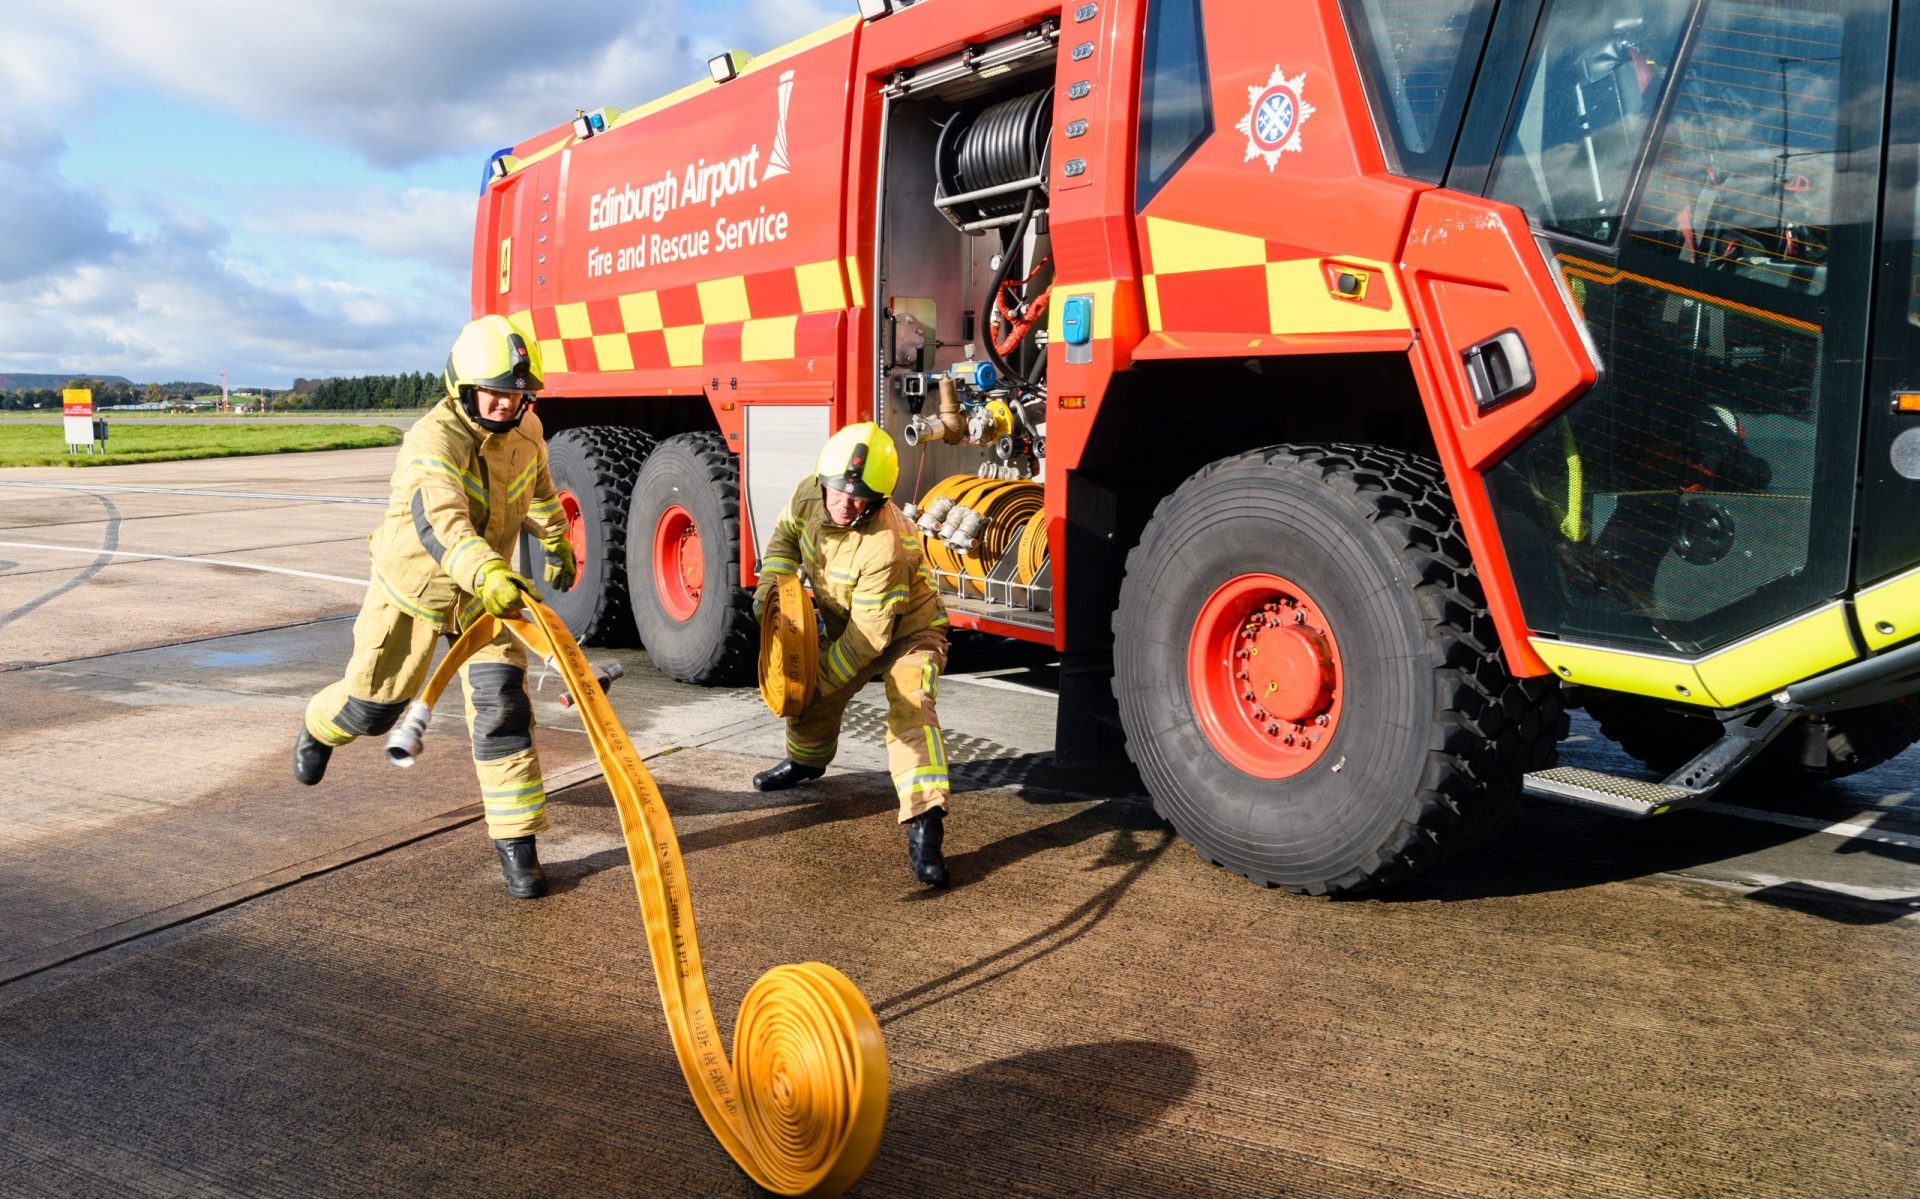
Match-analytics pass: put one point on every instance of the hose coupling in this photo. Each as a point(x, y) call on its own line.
point(935, 515)
point(405, 741)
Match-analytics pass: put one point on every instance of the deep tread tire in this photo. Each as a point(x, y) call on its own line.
point(716, 646)
point(598, 465)
point(1664, 740)
point(1429, 754)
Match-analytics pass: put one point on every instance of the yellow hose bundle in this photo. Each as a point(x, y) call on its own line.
point(802, 1104)
point(1033, 547)
point(789, 648)
point(1006, 505)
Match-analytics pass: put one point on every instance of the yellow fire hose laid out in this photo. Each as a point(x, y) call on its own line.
point(789, 648)
point(803, 1101)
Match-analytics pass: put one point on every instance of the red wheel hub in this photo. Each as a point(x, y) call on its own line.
point(576, 532)
point(679, 567)
point(1263, 669)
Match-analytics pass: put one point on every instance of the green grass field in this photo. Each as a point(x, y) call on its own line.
point(45, 444)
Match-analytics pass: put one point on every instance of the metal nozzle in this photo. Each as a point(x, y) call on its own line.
point(405, 741)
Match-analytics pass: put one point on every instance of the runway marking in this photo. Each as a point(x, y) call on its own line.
point(1749, 883)
point(101, 488)
point(101, 557)
point(1862, 829)
point(272, 570)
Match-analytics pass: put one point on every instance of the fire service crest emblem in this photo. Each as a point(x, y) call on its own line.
point(1273, 120)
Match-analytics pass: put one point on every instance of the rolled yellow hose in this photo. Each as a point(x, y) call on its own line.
point(789, 648)
point(1033, 547)
point(801, 1105)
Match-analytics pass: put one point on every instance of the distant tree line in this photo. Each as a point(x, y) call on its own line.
point(107, 394)
point(415, 390)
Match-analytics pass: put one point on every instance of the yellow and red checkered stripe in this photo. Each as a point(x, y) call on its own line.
point(1214, 280)
point(772, 316)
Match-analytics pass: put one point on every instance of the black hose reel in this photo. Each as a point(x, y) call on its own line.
point(988, 159)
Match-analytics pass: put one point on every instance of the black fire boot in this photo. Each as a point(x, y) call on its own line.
point(310, 756)
point(521, 865)
point(788, 773)
point(925, 832)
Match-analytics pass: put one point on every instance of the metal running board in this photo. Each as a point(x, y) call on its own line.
point(1621, 796)
point(1743, 735)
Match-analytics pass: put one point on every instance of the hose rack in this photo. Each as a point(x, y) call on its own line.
point(1007, 565)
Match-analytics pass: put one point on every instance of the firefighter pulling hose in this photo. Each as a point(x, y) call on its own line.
point(803, 1101)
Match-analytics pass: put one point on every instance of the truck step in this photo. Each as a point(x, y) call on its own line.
point(1620, 796)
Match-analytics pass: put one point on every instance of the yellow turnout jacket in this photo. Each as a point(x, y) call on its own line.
point(870, 582)
point(460, 496)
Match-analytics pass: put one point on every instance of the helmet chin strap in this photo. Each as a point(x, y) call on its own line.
point(470, 403)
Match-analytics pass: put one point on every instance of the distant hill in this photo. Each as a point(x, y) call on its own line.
point(30, 382)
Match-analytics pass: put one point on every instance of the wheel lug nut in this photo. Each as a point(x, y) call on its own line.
point(1248, 697)
point(1259, 714)
point(1273, 730)
point(1242, 676)
point(1323, 720)
point(1299, 617)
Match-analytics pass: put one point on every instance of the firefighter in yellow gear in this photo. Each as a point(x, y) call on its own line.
point(883, 620)
point(471, 475)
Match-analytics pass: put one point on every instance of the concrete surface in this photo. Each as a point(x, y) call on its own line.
point(214, 981)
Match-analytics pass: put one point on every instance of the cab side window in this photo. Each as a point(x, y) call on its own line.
point(1176, 109)
point(1743, 177)
point(1418, 58)
point(1594, 82)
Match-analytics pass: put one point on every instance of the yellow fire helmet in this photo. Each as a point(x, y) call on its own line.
point(490, 353)
point(860, 460)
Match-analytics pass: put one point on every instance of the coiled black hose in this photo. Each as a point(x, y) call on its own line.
point(985, 147)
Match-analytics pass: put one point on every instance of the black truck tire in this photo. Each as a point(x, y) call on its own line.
point(1427, 734)
point(683, 559)
point(593, 469)
point(1664, 739)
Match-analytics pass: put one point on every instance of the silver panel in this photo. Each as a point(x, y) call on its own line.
point(783, 442)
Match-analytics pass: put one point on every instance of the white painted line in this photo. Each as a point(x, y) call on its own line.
point(272, 570)
point(117, 488)
point(1861, 829)
point(1762, 882)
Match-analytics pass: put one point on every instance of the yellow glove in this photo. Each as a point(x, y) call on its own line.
point(561, 566)
point(501, 592)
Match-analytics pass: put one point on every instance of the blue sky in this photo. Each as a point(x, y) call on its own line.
point(283, 189)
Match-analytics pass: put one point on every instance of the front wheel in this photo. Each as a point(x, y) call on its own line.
point(1307, 675)
point(683, 563)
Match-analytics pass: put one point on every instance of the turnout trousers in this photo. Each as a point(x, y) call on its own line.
point(392, 656)
point(916, 752)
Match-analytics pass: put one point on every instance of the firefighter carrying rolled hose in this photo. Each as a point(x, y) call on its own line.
point(471, 475)
point(883, 620)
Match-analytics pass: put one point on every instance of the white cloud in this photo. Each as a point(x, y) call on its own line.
point(432, 226)
point(176, 305)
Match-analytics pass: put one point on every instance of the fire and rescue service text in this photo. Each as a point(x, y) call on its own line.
point(701, 182)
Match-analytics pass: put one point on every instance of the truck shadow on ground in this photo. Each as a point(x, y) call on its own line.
point(1553, 848)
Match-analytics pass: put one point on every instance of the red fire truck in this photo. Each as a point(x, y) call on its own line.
point(1343, 388)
